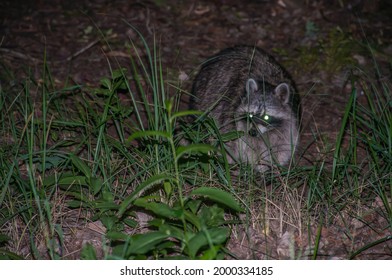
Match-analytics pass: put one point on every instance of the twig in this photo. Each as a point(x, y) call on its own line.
point(82, 50)
point(18, 54)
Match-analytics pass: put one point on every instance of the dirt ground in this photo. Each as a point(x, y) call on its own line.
point(71, 34)
point(72, 37)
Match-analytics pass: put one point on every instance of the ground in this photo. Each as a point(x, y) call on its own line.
point(81, 41)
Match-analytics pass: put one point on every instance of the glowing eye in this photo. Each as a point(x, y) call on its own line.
point(266, 117)
point(250, 115)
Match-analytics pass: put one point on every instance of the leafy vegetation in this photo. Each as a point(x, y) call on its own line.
point(82, 148)
point(124, 150)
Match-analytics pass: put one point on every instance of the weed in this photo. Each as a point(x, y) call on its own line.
point(123, 151)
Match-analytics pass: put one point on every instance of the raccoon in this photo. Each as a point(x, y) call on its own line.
point(247, 90)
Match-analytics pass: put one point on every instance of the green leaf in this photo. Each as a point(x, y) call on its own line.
point(148, 133)
point(77, 204)
point(166, 246)
point(117, 236)
point(169, 105)
point(64, 179)
point(172, 231)
point(50, 162)
point(131, 223)
point(342, 131)
point(143, 243)
point(81, 166)
point(107, 195)
point(105, 205)
point(118, 251)
point(167, 186)
point(215, 236)
point(109, 221)
point(118, 73)
point(88, 253)
point(219, 196)
point(193, 219)
point(193, 148)
point(71, 180)
point(185, 113)
point(212, 215)
point(154, 180)
point(193, 205)
point(79, 195)
point(106, 83)
point(4, 239)
point(160, 209)
point(96, 184)
point(211, 253)
point(7, 255)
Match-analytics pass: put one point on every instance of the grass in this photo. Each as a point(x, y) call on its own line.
point(75, 156)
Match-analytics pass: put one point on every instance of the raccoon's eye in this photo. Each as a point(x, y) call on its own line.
point(263, 119)
point(266, 119)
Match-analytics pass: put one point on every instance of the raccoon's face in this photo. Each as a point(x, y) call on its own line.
point(264, 107)
point(269, 125)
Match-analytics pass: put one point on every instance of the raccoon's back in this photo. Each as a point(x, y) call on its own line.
point(222, 78)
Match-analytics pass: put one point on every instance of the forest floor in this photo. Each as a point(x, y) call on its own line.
point(321, 43)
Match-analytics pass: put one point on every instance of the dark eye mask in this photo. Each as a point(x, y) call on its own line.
point(265, 120)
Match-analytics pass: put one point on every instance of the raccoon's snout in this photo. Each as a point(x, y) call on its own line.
point(253, 132)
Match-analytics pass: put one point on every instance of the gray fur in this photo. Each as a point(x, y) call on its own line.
point(245, 89)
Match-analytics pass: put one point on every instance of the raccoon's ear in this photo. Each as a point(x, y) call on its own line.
point(251, 86)
point(282, 91)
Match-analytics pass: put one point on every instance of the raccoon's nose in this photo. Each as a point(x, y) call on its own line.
point(253, 132)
